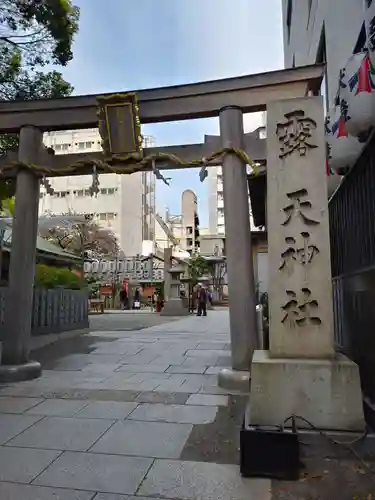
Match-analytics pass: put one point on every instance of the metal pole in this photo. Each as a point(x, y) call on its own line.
point(19, 300)
point(242, 312)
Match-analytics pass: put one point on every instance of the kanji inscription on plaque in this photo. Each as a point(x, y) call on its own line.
point(295, 134)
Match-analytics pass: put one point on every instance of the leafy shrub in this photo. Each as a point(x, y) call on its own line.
point(53, 277)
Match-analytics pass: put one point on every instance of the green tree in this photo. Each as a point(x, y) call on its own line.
point(197, 267)
point(7, 209)
point(33, 33)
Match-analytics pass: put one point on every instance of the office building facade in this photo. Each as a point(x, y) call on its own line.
point(216, 217)
point(326, 31)
point(125, 203)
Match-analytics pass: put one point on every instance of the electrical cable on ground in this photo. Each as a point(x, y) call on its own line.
point(346, 444)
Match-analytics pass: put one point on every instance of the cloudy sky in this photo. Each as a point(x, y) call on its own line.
point(129, 45)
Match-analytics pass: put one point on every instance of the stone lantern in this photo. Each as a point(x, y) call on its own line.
point(175, 305)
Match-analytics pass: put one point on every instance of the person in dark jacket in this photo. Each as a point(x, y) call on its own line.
point(202, 300)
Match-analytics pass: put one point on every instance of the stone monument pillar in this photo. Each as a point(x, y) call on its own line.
point(301, 374)
point(242, 302)
point(167, 276)
point(175, 305)
point(19, 298)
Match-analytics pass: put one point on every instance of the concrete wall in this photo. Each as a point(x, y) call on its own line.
point(341, 20)
point(189, 209)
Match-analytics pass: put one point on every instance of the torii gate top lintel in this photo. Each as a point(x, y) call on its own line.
point(198, 100)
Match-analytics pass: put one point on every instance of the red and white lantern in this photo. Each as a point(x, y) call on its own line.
point(357, 92)
point(344, 149)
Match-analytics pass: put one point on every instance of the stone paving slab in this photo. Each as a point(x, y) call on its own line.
point(187, 369)
point(117, 348)
point(101, 368)
point(213, 370)
point(68, 364)
point(181, 414)
point(95, 358)
point(23, 465)
point(200, 361)
point(57, 408)
point(205, 353)
point(105, 496)
point(17, 405)
point(11, 425)
point(149, 368)
point(202, 481)
point(212, 345)
point(143, 377)
point(12, 491)
point(55, 433)
point(144, 439)
point(179, 398)
point(207, 400)
point(94, 472)
point(139, 359)
point(107, 409)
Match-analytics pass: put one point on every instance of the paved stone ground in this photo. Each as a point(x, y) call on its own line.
point(127, 320)
point(133, 411)
point(126, 413)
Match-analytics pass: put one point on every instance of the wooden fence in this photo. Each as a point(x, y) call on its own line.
point(54, 311)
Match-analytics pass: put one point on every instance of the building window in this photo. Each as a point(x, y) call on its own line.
point(108, 190)
point(107, 216)
point(80, 192)
point(61, 147)
point(88, 145)
point(81, 145)
point(61, 194)
point(289, 14)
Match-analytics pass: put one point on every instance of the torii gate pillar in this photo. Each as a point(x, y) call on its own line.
point(19, 299)
point(242, 301)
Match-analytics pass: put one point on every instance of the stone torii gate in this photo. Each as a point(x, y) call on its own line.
point(119, 117)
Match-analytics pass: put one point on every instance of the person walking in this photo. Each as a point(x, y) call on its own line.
point(202, 300)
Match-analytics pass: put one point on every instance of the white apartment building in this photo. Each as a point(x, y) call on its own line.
point(123, 204)
point(325, 31)
point(216, 218)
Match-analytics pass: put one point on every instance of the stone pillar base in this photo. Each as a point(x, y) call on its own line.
point(18, 373)
point(234, 380)
point(174, 307)
point(325, 392)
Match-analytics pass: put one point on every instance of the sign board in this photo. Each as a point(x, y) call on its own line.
point(120, 128)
